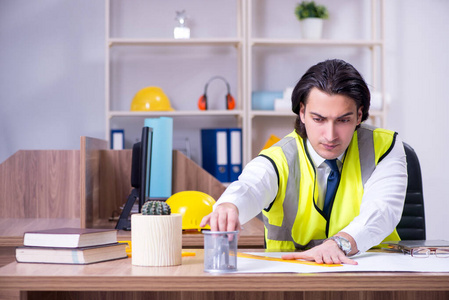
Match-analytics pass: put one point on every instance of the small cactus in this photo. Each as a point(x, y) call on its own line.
point(156, 208)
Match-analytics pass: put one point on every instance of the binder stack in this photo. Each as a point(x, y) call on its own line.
point(222, 153)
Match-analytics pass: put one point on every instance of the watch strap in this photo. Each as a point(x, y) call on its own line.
point(340, 242)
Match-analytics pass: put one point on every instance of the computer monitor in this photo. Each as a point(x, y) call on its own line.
point(140, 177)
point(145, 165)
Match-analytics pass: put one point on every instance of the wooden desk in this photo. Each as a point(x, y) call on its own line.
point(121, 280)
point(252, 236)
point(12, 230)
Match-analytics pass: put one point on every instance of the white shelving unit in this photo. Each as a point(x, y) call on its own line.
point(257, 120)
point(234, 44)
point(255, 55)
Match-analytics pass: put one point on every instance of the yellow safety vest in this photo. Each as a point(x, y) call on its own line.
point(293, 220)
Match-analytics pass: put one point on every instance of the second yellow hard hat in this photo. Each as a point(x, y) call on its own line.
point(193, 205)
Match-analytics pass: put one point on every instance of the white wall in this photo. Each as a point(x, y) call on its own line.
point(52, 82)
point(51, 74)
point(417, 78)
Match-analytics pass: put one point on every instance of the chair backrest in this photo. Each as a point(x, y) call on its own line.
point(412, 225)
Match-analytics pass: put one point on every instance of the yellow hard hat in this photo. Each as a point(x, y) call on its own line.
point(151, 98)
point(193, 206)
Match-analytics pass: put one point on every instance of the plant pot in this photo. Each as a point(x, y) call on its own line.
point(312, 28)
point(156, 240)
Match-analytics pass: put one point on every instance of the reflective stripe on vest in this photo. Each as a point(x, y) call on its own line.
point(290, 206)
point(283, 218)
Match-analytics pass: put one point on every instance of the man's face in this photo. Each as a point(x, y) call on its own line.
point(330, 122)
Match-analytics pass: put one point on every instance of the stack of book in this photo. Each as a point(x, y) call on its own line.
point(70, 246)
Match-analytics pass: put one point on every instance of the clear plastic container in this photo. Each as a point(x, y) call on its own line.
point(220, 251)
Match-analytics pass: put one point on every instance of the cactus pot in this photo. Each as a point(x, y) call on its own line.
point(156, 240)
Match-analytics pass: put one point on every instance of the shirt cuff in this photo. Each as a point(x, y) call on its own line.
point(361, 237)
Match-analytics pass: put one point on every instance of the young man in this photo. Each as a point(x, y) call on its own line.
point(357, 208)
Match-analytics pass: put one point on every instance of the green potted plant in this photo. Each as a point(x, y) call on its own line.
point(311, 16)
point(156, 236)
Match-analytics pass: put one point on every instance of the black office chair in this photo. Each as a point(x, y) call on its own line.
point(412, 225)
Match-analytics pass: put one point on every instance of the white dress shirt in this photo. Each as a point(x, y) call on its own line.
point(380, 210)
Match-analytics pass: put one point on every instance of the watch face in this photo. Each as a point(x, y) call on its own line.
point(345, 243)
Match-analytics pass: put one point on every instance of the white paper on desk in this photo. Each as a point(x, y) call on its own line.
point(367, 262)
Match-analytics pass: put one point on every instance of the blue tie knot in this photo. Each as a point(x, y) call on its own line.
point(332, 163)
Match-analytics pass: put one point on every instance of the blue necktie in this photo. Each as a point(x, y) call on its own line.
point(332, 184)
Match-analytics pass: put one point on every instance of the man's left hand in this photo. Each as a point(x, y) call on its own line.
point(327, 253)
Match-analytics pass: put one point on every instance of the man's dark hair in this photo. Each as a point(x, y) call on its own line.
point(333, 77)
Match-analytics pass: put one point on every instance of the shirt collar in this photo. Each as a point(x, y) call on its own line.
point(316, 158)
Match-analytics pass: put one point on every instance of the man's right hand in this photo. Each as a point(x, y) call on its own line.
point(225, 217)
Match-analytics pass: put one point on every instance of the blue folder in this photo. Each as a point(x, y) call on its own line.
point(117, 139)
point(214, 146)
point(234, 153)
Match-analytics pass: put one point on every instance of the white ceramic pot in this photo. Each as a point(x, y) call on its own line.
point(312, 28)
point(156, 240)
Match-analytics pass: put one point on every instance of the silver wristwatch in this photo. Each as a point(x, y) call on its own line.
point(342, 243)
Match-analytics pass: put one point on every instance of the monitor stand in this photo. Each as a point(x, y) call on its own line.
point(123, 222)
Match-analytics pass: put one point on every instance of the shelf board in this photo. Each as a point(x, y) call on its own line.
point(177, 113)
point(175, 42)
point(322, 42)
